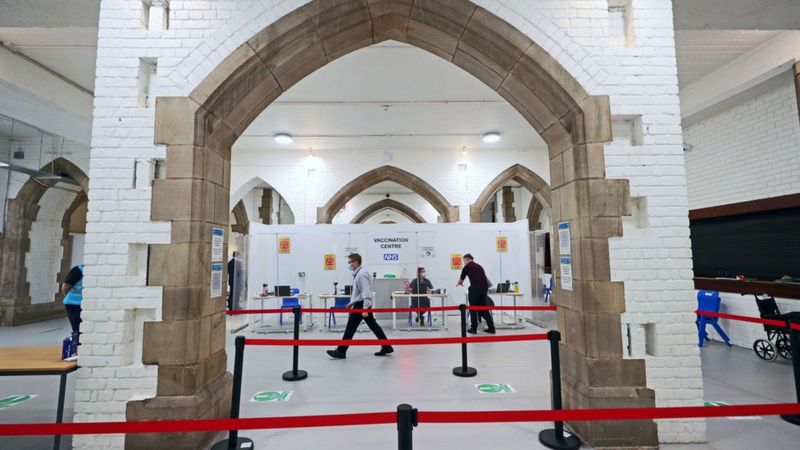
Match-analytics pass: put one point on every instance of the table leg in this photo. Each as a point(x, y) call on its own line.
point(60, 411)
point(394, 313)
point(444, 315)
point(326, 318)
point(515, 311)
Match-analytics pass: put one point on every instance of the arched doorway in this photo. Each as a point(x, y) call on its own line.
point(527, 179)
point(447, 213)
point(36, 247)
point(573, 124)
point(385, 204)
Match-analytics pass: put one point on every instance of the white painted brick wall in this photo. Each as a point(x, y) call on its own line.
point(747, 152)
point(654, 262)
point(362, 201)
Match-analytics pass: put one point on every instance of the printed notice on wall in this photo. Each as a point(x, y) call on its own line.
point(217, 238)
point(329, 261)
point(501, 244)
point(350, 250)
point(566, 273)
point(427, 252)
point(564, 247)
point(216, 280)
point(284, 245)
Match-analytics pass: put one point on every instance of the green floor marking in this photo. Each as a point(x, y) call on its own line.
point(494, 388)
point(12, 400)
point(272, 396)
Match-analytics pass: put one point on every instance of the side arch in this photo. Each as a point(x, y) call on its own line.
point(522, 175)
point(388, 203)
point(242, 224)
point(447, 212)
point(15, 242)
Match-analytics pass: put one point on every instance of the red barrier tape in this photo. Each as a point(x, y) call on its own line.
point(407, 341)
point(773, 322)
point(379, 418)
point(578, 415)
point(512, 308)
point(389, 310)
point(184, 426)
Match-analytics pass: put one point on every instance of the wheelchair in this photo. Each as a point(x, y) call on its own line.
point(777, 342)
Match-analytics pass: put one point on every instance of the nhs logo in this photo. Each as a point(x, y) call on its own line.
point(391, 257)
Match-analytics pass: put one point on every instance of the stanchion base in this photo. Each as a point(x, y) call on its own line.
point(242, 443)
point(464, 372)
point(794, 419)
point(549, 439)
point(292, 376)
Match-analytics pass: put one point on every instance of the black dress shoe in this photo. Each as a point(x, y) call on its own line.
point(384, 351)
point(472, 331)
point(489, 330)
point(336, 354)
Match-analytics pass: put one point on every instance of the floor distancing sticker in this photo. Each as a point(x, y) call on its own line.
point(718, 403)
point(495, 388)
point(12, 400)
point(272, 396)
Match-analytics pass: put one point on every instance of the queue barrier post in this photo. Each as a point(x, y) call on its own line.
point(464, 370)
point(296, 374)
point(554, 438)
point(794, 341)
point(235, 441)
point(406, 421)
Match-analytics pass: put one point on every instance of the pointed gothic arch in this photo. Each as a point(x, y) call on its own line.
point(522, 175)
point(242, 224)
point(204, 125)
point(447, 212)
point(388, 203)
point(22, 212)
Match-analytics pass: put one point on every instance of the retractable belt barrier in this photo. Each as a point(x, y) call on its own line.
point(239, 312)
point(773, 322)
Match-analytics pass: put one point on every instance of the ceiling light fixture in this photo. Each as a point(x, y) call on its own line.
point(464, 151)
point(491, 137)
point(3, 164)
point(283, 138)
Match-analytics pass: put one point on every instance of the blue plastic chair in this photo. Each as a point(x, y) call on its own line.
point(430, 321)
point(709, 301)
point(548, 290)
point(289, 303)
point(338, 303)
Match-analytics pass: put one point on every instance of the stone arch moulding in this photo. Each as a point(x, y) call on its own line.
point(326, 213)
point(15, 302)
point(388, 203)
point(188, 344)
point(522, 175)
point(242, 225)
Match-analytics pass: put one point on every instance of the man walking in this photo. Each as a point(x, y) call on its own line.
point(361, 298)
point(477, 294)
point(235, 280)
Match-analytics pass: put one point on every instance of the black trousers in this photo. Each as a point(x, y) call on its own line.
point(74, 316)
point(354, 320)
point(477, 296)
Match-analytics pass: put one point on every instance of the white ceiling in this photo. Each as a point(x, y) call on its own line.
point(700, 52)
point(390, 96)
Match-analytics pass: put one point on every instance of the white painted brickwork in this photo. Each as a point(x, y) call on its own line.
point(748, 152)
point(654, 262)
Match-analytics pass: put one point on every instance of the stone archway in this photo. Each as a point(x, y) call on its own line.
point(242, 224)
point(522, 175)
point(326, 213)
point(388, 203)
point(22, 211)
point(188, 344)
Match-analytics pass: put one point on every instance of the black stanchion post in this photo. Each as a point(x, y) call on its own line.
point(406, 421)
point(554, 438)
point(464, 370)
point(234, 441)
point(794, 341)
point(295, 374)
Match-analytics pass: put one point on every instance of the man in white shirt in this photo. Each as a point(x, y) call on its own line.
point(361, 298)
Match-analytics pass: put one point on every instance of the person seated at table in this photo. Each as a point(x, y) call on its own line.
point(420, 285)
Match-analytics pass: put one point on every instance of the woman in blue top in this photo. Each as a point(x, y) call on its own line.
point(73, 295)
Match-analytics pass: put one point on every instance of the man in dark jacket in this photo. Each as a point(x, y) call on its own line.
point(476, 294)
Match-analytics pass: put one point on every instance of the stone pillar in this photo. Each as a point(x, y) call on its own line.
point(594, 373)
point(14, 293)
point(265, 210)
point(508, 205)
point(188, 344)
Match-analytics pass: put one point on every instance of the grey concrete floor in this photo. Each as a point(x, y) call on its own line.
point(422, 377)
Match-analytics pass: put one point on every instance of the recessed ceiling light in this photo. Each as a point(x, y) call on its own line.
point(283, 138)
point(3, 164)
point(491, 137)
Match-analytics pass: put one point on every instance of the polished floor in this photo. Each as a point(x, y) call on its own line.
point(421, 376)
